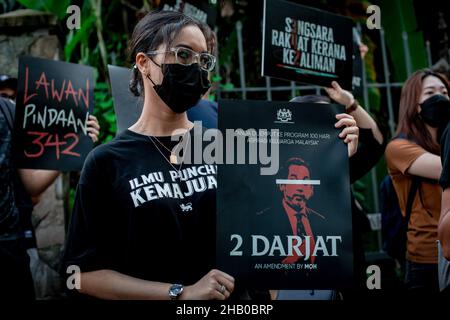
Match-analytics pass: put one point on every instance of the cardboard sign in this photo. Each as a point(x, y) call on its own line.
point(306, 45)
point(127, 107)
point(54, 100)
point(293, 229)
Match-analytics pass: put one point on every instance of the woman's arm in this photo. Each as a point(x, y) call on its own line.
point(427, 165)
point(410, 158)
point(362, 118)
point(109, 284)
point(37, 181)
point(365, 121)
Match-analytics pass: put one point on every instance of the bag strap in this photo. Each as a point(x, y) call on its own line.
point(411, 196)
point(414, 186)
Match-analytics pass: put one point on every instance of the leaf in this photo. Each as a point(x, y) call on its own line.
point(216, 78)
point(228, 86)
point(30, 4)
point(110, 117)
point(106, 105)
point(79, 36)
point(55, 7)
point(109, 137)
point(101, 85)
point(113, 127)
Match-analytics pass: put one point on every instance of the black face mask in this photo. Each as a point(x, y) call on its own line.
point(436, 111)
point(182, 86)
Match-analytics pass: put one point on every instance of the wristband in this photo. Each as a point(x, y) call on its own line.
point(352, 107)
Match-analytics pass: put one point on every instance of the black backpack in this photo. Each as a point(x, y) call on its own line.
point(394, 226)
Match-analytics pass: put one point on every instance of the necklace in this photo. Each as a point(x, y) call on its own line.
point(173, 157)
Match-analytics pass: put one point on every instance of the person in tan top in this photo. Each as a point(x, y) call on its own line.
point(423, 114)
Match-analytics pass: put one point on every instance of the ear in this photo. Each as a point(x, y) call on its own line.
point(282, 187)
point(142, 63)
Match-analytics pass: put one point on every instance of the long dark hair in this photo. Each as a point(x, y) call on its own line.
point(156, 28)
point(409, 121)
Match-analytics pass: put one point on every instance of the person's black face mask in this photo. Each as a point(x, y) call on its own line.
point(182, 86)
point(436, 111)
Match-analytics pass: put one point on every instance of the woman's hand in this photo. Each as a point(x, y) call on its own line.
point(350, 133)
point(93, 128)
point(340, 95)
point(215, 285)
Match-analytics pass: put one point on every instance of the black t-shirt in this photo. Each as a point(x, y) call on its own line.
point(134, 215)
point(444, 180)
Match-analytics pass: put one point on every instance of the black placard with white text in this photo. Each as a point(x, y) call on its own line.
point(54, 100)
point(306, 45)
point(291, 229)
point(200, 10)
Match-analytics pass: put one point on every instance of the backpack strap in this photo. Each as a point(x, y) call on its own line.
point(414, 186)
point(411, 196)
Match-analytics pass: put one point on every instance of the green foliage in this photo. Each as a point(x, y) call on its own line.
point(79, 37)
point(229, 49)
point(402, 18)
point(56, 7)
point(83, 46)
point(104, 112)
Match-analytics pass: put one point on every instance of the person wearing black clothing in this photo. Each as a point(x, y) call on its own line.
point(8, 86)
point(15, 276)
point(371, 147)
point(17, 186)
point(143, 224)
point(206, 112)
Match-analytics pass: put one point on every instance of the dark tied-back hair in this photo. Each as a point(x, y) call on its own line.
point(161, 27)
point(409, 121)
